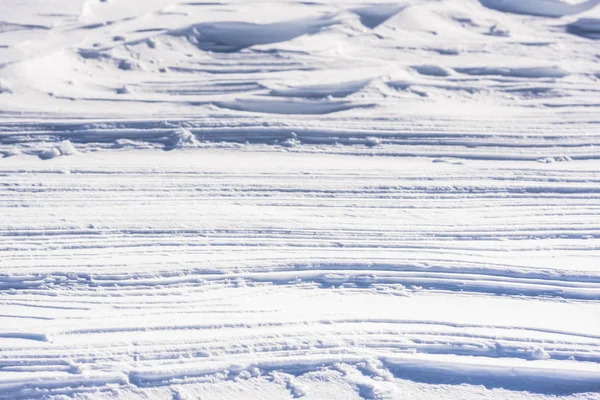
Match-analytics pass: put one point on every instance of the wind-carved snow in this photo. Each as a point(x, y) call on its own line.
point(341, 89)
point(249, 266)
point(375, 15)
point(285, 106)
point(523, 72)
point(62, 149)
point(586, 27)
point(234, 36)
point(543, 8)
point(299, 200)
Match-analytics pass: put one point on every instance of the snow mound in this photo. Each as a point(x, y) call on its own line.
point(234, 36)
point(341, 89)
point(499, 31)
point(538, 353)
point(373, 16)
point(180, 138)
point(372, 141)
point(585, 27)
point(291, 142)
point(542, 8)
point(425, 20)
point(518, 72)
point(64, 148)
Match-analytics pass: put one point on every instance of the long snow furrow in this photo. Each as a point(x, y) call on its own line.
point(497, 143)
point(286, 263)
point(366, 279)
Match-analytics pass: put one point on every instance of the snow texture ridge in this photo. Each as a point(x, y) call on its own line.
point(299, 199)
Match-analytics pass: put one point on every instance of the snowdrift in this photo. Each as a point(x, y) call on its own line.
point(542, 8)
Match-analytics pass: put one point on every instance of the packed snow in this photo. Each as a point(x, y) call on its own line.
point(300, 199)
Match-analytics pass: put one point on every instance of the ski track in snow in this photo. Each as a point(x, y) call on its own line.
point(299, 200)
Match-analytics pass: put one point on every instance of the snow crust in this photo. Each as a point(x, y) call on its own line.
point(299, 199)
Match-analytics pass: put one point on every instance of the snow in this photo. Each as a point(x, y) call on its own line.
point(283, 199)
point(179, 138)
point(234, 36)
point(64, 148)
point(285, 106)
point(431, 70)
point(586, 27)
point(523, 72)
point(543, 8)
point(5, 87)
point(374, 15)
point(341, 89)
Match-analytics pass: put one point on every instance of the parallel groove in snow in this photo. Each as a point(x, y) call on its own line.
point(194, 291)
point(295, 199)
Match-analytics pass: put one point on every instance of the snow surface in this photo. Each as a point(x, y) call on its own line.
point(297, 199)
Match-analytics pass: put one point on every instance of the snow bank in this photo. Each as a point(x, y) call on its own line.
point(233, 36)
point(586, 27)
point(542, 8)
point(540, 376)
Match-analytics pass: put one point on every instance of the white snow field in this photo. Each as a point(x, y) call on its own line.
point(283, 199)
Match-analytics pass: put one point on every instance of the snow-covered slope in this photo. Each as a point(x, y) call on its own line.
point(414, 74)
point(292, 199)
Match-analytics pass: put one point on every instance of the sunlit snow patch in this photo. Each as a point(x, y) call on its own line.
point(423, 20)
